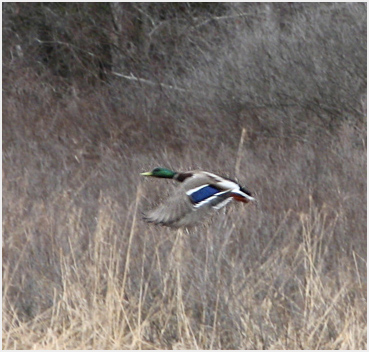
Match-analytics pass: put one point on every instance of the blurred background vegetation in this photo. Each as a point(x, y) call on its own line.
point(94, 93)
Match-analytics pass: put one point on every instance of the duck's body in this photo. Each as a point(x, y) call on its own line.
point(199, 193)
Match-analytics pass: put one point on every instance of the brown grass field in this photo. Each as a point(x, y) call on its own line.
point(82, 270)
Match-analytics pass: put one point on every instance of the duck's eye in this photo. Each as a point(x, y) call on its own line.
point(157, 169)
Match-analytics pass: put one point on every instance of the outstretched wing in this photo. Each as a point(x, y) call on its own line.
point(171, 211)
point(186, 208)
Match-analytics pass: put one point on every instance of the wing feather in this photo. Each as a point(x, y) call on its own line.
point(178, 210)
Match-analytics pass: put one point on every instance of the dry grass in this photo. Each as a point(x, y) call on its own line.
point(153, 289)
point(82, 271)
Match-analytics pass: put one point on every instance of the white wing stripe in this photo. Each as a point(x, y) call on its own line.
point(193, 190)
point(208, 200)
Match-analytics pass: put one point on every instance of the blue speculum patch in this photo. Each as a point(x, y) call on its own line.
point(203, 193)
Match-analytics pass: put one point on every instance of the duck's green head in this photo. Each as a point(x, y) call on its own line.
point(160, 172)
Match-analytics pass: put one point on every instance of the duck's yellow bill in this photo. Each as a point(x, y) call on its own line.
point(146, 173)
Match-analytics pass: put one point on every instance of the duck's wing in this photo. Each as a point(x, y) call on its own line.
point(221, 183)
point(170, 213)
point(188, 207)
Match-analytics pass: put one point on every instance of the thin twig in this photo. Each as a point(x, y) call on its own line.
point(219, 18)
point(146, 81)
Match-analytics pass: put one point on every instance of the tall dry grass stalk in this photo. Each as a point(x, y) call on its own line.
point(239, 152)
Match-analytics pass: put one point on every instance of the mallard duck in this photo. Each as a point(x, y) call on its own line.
point(199, 193)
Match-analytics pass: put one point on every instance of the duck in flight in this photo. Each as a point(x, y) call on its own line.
point(199, 193)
